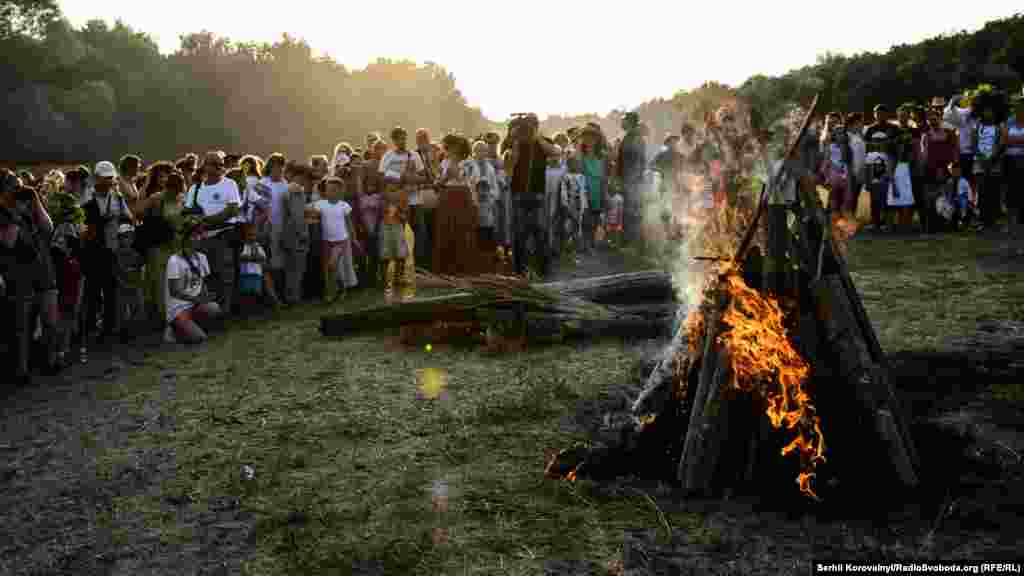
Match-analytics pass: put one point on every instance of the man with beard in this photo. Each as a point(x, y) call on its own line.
point(527, 164)
point(632, 163)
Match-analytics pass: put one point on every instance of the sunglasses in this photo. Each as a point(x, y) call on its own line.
point(217, 165)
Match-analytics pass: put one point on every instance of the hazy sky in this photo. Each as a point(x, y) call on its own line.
point(566, 56)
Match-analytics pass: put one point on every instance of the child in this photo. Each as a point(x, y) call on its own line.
point(68, 217)
point(614, 220)
point(190, 307)
point(484, 180)
point(294, 239)
point(552, 197)
point(335, 217)
point(252, 282)
point(573, 196)
point(958, 193)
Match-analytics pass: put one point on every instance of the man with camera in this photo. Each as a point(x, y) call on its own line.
point(527, 163)
point(26, 270)
point(217, 201)
point(105, 211)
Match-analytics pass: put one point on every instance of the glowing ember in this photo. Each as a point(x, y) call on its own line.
point(571, 476)
point(764, 361)
point(842, 230)
point(431, 383)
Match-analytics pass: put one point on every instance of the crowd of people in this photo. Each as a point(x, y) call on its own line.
point(953, 163)
point(184, 244)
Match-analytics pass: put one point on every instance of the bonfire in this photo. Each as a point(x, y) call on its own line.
point(752, 376)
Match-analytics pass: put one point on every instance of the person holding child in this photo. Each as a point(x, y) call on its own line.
point(402, 172)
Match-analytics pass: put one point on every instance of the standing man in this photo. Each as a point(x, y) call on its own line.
point(219, 201)
point(104, 213)
point(632, 162)
point(880, 140)
point(527, 164)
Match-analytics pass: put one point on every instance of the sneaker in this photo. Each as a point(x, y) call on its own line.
point(169, 337)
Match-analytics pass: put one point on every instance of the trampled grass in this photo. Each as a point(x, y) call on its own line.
point(346, 455)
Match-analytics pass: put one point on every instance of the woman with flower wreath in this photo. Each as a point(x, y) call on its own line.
point(191, 309)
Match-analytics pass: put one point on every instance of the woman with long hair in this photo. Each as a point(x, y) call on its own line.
point(455, 228)
point(150, 200)
point(991, 109)
point(163, 206)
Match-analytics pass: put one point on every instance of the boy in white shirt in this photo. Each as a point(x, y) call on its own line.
point(190, 306)
point(335, 217)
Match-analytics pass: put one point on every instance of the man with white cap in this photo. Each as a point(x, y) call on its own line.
point(105, 211)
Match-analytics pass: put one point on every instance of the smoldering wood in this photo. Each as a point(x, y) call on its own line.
point(698, 466)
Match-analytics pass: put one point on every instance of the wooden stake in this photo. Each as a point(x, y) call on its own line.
point(705, 437)
point(886, 426)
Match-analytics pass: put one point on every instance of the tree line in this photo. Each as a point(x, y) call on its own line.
point(102, 90)
point(939, 66)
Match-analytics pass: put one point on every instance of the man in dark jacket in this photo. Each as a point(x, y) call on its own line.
point(527, 164)
point(632, 162)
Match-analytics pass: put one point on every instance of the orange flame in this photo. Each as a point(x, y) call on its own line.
point(764, 361)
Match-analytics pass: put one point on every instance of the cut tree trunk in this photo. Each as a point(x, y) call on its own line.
point(626, 288)
point(643, 304)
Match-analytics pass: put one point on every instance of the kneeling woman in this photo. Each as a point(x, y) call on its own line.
point(191, 310)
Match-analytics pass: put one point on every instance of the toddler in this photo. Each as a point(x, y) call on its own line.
point(253, 282)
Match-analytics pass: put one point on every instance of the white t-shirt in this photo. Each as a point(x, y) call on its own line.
point(332, 219)
point(393, 165)
point(252, 268)
point(178, 268)
point(277, 189)
point(214, 198)
point(859, 150)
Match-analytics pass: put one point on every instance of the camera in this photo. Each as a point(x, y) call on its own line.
point(24, 194)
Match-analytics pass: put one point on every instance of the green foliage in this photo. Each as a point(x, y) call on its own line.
point(110, 91)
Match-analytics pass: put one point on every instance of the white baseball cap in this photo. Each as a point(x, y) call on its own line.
point(105, 169)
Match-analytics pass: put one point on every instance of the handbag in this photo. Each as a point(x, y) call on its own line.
point(154, 231)
point(195, 209)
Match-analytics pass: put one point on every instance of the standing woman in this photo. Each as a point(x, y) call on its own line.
point(594, 167)
point(1014, 139)
point(988, 155)
point(457, 213)
point(160, 224)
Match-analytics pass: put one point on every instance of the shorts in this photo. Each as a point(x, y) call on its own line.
point(194, 314)
point(250, 284)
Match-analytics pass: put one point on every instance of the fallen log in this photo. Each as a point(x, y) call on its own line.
point(646, 299)
point(626, 288)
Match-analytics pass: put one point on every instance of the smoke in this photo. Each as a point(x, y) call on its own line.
point(681, 222)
